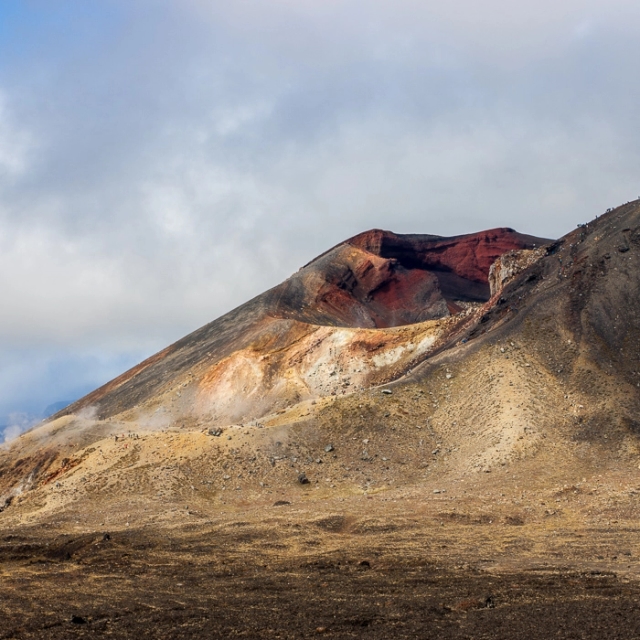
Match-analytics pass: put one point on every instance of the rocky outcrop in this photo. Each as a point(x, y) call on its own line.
point(382, 279)
point(509, 265)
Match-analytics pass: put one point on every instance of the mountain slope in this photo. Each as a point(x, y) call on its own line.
point(375, 280)
point(540, 378)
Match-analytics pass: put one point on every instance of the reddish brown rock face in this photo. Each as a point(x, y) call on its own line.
point(468, 256)
point(351, 287)
point(382, 279)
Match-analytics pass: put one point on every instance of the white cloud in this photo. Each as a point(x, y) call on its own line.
point(499, 32)
point(15, 144)
point(230, 120)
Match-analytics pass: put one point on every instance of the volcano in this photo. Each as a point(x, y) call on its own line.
point(284, 345)
point(455, 414)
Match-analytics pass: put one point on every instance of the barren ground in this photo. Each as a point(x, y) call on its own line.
point(405, 568)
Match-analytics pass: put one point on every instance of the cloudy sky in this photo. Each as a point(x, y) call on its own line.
point(162, 161)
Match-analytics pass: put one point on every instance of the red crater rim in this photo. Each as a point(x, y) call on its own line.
point(382, 279)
